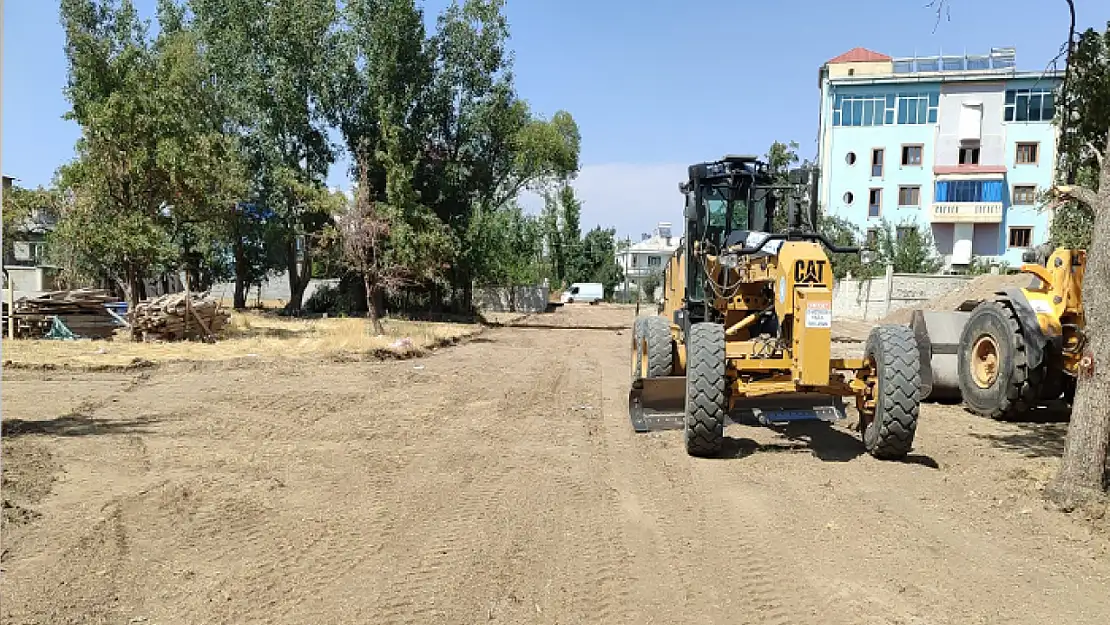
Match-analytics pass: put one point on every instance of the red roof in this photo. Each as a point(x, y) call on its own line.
point(859, 55)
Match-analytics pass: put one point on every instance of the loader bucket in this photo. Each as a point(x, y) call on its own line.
point(656, 404)
point(938, 341)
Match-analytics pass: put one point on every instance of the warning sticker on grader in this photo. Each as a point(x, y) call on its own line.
point(819, 315)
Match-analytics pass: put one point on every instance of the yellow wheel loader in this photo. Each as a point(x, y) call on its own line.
point(743, 334)
point(1006, 355)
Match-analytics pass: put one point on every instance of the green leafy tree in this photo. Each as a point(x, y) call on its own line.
point(599, 264)
point(781, 158)
point(276, 60)
point(842, 232)
point(908, 247)
point(152, 156)
point(1085, 137)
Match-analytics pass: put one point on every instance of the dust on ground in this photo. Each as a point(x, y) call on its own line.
point(978, 288)
point(500, 481)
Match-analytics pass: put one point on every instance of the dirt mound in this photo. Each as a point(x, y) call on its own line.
point(980, 287)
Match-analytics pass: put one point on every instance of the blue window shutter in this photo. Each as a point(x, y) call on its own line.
point(890, 115)
point(869, 113)
point(836, 117)
point(932, 116)
point(941, 192)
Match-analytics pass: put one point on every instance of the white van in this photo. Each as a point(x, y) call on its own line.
point(588, 292)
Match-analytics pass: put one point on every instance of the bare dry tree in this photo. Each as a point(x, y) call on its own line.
point(364, 237)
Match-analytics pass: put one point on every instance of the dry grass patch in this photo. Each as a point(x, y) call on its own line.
point(248, 335)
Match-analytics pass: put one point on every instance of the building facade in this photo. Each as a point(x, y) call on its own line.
point(961, 145)
point(646, 257)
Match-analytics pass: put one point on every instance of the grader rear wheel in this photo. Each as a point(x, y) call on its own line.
point(889, 409)
point(706, 389)
point(657, 354)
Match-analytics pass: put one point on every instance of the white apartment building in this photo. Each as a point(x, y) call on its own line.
point(647, 256)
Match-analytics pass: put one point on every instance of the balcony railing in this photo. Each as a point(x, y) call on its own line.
point(967, 212)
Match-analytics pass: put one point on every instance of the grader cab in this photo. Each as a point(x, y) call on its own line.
point(743, 334)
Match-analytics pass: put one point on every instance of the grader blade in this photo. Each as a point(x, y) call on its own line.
point(784, 408)
point(656, 404)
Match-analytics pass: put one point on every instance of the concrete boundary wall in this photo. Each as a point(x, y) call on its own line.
point(525, 299)
point(871, 300)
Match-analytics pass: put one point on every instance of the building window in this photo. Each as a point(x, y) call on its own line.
point(968, 191)
point(869, 110)
point(635, 259)
point(872, 238)
point(877, 162)
point(1027, 153)
point(1029, 105)
point(918, 108)
point(911, 155)
point(902, 232)
point(654, 261)
point(1024, 195)
point(850, 158)
point(849, 197)
point(1021, 236)
point(969, 156)
point(875, 202)
point(885, 109)
point(909, 196)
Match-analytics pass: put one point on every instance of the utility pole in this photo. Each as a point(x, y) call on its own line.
point(627, 263)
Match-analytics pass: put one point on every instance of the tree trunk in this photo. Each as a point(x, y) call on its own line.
point(373, 306)
point(299, 276)
point(1083, 467)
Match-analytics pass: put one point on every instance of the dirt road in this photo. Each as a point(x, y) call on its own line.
point(499, 481)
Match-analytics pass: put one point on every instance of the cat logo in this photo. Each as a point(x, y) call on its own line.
point(809, 271)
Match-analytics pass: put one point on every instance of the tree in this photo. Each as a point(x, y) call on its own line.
point(151, 156)
point(1083, 468)
point(364, 233)
point(908, 248)
point(781, 157)
point(1088, 96)
point(571, 235)
point(842, 232)
point(276, 60)
point(599, 259)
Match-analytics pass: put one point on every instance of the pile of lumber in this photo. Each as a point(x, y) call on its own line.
point(177, 317)
point(81, 310)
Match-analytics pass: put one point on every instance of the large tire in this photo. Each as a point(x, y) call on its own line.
point(892, 352)
point(636, 354)
point(1009, 388)
point(658, 343)
point(706, 389)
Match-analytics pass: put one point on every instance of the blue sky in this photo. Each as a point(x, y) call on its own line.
point(654, 85)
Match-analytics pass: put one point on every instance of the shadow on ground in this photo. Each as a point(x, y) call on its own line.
point(74, 425)
point(827, 443)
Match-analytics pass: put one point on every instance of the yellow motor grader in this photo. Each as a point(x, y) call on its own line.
point(743, 333)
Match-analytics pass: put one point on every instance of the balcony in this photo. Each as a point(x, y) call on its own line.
point(967, 212)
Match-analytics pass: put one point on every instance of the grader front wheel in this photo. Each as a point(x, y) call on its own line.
point(889, 408)
point(706, 386)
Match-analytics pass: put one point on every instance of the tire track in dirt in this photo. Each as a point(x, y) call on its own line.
point(433, 548)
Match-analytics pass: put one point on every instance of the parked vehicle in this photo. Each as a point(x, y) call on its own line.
point(586, 292)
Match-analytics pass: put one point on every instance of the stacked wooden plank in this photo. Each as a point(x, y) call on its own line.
point(176, 317)
point(81, 310)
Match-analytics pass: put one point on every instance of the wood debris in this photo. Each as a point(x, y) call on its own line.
point(176, 317)
point(81, 310)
